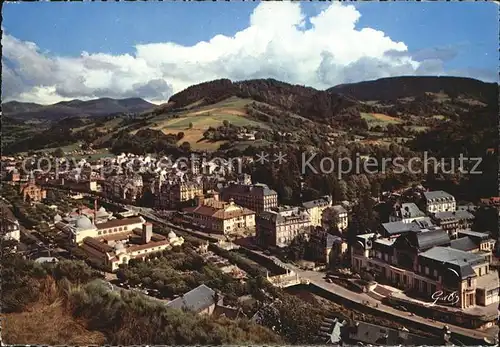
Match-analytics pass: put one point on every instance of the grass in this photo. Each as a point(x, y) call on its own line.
point(417, 128)
point(374, 119)
point(48, 322)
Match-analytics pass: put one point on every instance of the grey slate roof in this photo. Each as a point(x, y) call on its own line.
point(196, 300)
point(393, 228)
point(438, 194)
point(428, 239)
point(323, 201)
point(460, 214)
point(463, 244)
point(474, 234)
point(460, 259)
point(339, 209)
point(379, 335)
point(251, 189)
point(410, 210)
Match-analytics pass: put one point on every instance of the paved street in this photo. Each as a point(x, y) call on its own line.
point(316, 278)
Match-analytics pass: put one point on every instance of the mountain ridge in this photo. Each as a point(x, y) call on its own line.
point(75, 108)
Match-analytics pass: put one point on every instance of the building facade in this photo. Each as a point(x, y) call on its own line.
point(454, 222)
point(325, 247)
point(315, 208)
point(279, 226)
point(336, 218)
point(439, 201)
point(30, 191)
point(112, 250)
point(220, 216)
point(256, 197)
point(423, 263)
point(176, 194)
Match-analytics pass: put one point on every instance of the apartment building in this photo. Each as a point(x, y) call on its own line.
point(177, 194)
point(425, 262)
point(439, 201)
point(454, 221)
point(256, 197)
point(221, 217)
point(279, 226)
point(315, 208)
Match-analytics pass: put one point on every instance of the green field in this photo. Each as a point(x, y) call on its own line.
point(374, 119)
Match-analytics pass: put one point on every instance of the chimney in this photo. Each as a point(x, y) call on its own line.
point(147, 232)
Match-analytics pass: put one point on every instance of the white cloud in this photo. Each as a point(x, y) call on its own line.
point(330, 52)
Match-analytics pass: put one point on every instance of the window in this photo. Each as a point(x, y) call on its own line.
point(469, 282)
point(480, 271)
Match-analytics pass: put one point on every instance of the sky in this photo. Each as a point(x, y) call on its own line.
point(61, 51)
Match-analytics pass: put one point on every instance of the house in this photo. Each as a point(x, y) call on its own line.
point(43, 260)
point(10, 229)
point(316, 207)
point(200, 300)
point(439, 201)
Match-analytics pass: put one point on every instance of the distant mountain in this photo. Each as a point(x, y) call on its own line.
point(389, 89)
point(75, 108)
point(17, 107)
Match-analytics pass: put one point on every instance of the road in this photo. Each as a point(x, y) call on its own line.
point(317, 279)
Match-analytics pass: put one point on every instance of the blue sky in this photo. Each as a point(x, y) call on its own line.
point(463, 36)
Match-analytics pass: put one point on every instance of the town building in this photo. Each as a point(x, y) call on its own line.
point(30, 191)
point(335, 218)
point(316, 207)
point(422, 263)
point(326, 248)
point(406, 213)
point(439, 201)
point(256, 197)
point(123, 187)
point(10, 229)
point(221, 217)
point(136, 242)
point(81, 227)
point(279, 226)
point(454, 221)
point(201, 300)
point(177, 194)
point(395, 229)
